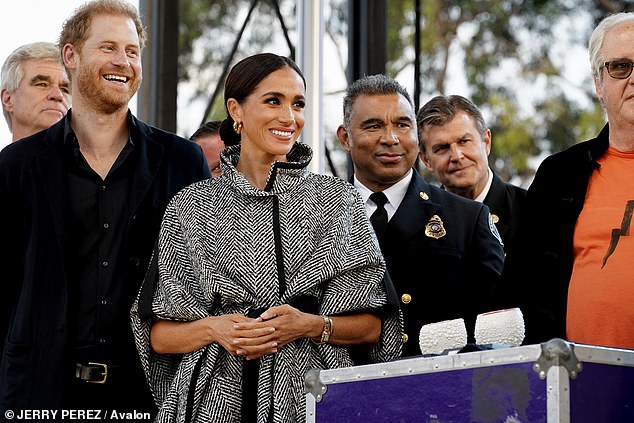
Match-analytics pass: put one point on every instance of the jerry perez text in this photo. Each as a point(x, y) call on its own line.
point(76, 415)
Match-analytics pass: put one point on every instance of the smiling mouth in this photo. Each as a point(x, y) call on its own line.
point(281, 133)
point(460, 169)
point(116, 78)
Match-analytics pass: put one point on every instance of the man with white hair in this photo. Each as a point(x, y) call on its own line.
point(35, 89)
point(570, 266)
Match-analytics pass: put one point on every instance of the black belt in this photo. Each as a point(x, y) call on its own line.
point(93, 372)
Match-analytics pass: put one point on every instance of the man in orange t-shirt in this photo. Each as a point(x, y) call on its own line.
point(570, 269)
point(601, 292)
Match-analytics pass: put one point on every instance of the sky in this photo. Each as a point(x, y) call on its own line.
point(27, 21)
point(41, 20)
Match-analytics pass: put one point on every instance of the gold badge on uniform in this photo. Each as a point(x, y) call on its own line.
point(495, 218)
point(423, 195)
point(434, 228)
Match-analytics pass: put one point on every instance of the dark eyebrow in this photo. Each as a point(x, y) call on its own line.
point(278, 94)
point(39, 77)
point(404, 119)
point(372, 121)
point(47, 78)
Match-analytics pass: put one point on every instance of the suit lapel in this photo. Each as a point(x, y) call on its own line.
point(496, 195)
point(52, 175)
point(416, 209)
point(150, 158)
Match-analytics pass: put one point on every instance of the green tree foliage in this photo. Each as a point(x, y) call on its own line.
point(208, 32)
point(505, 47)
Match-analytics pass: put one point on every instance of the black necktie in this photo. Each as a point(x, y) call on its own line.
point(379, 217)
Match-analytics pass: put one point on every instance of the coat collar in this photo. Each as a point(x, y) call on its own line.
point(497, 193)
point(283, 176)
point(599, 145)
point(53, 177)
point(150, 158)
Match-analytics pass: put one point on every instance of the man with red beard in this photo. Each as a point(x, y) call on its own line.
point(83, 205)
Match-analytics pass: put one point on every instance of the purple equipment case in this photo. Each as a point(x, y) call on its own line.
point(553, 382)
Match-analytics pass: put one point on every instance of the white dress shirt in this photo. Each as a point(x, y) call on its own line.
point(394, 194)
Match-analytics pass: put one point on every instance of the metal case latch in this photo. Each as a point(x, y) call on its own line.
point(557, 352)
point(313, 385)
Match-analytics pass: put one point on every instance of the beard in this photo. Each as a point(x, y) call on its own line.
point(90, 85)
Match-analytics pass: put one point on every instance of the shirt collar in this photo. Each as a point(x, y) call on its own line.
point(394, 194)
point(70, 138)
point(480, 198)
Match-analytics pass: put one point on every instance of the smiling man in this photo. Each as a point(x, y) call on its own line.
point(87, 196)
point(35, 89)
point(442, 251)
point(456, 143)
point(570, 268)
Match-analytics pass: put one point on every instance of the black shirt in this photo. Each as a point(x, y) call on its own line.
point(100, 295)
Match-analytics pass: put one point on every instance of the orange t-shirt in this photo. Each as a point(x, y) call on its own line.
point(601, 290)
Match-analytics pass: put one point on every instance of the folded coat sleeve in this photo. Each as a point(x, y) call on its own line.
point(361, 284)
point(175, 295)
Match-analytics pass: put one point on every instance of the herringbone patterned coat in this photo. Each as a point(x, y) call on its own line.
point(218, 256)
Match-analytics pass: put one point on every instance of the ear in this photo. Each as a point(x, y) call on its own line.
point(344, 138)
point(70, 56)
point(423, 157)
point(598, 89)
point(7, 100)
point(235, 109)
point(486, 139)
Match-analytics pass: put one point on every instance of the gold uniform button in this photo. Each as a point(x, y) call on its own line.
point(405, 338)
point(406, 298)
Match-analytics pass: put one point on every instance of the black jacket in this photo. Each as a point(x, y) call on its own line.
point(34, 254)
point(447, 277)
point(505, 202)
point(538, 266)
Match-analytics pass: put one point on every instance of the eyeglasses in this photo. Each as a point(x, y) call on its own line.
point(619, 69)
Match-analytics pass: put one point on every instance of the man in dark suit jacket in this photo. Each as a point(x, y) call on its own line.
point(442, 251)
point(82, 204)
point(456, 143)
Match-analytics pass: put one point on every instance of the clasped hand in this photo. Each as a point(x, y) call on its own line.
point(255, 337)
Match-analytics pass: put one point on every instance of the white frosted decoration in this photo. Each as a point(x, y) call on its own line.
point(502, 327)
point(435, 338)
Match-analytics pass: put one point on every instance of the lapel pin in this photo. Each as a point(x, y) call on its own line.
point(423, 195)
point(434, 228)
point(495, 218)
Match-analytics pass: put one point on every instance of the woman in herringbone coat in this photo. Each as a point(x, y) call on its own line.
point(264, 272)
